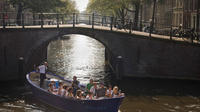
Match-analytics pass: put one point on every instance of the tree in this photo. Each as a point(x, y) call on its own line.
point(40, 6)
point(108, 7)
point(118, 8)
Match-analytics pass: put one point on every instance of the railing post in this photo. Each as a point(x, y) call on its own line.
point(34, 22)
point(76, 18)
point(130, 27)
point(57, 18)
point(102, 21)
point(111, 23)
point(89, 20)
point(23, 20)
point(93, 21)
point(42, 21)
point(4, 24)
point(171, 32)
point(73, 20)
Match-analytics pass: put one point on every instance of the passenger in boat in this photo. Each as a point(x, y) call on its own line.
point(60, 88)
point(101, 91)
point(75, 85)
point(116, 93)
point(89, 85)
point(109, 91)
point(79, 94)
point(42, 70)
point(54, 84)
point(93, 89)
point(65, 92)
point(70, 92)
point(51, 89)
point(89, 96)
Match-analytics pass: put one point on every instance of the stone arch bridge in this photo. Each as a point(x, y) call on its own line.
point(129, 55)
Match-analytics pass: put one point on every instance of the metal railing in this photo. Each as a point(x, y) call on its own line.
point(42, 20)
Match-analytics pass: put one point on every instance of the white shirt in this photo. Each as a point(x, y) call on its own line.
point(109, 92)
point(42, 69)
point(93, 90)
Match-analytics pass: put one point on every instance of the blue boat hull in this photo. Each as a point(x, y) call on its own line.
point(75, 105)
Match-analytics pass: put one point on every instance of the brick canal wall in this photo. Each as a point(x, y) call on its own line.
point(141, 57)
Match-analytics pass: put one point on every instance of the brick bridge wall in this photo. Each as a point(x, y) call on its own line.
point(141, 57)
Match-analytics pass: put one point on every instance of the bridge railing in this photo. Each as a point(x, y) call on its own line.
point(12, 19)
point(45, 20)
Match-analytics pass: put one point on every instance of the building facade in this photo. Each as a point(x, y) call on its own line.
point(191, 10)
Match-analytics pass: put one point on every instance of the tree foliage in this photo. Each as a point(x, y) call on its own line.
point(39, 6)
point(118, 8)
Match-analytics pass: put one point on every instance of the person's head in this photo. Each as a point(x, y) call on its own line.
point(60, 84)
point(70, 90)
point(115, 90)
point(51, 85)
point(90, 94)
point(110, 87)
point(74, 78)
point(101, 84)
point(95, 85)
point(79, 93)
point(91, 81)
point(45, 63)
point(53, 82)
point(65, 87)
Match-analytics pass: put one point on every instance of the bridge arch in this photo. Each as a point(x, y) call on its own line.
point(142, 57)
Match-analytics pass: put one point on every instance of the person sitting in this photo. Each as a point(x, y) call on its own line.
point(79, 94)
point(116, 93)
point(89, 96)
point(75, 85)
point(101, 91)
point(109, 91)
point(89, 85)
point(51, 89)
point(60, 88)
point(93, 89)
point(65, 90)
point(70, 92)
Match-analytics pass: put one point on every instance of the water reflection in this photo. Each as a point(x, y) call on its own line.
point(79, 55)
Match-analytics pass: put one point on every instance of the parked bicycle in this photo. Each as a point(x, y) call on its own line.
point(186, 34)
point(125, 25)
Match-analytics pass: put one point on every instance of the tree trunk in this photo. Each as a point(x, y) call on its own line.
point(19, 14)
point(137, 7)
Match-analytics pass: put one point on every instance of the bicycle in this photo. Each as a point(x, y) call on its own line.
point(186, 35)
point(122, 25)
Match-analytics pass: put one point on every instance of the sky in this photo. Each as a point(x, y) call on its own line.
point(81, 4)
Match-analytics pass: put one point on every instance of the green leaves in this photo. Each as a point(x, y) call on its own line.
point(39, 6)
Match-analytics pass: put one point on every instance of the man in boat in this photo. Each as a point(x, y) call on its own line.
point(101, 91)
point(75, 85)
point(42, 70)
point(89, 85)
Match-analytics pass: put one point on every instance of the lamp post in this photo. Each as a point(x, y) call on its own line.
point(172, 11)
point(153, 17)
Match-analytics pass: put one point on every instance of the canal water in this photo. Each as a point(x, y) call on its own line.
point(84, 57)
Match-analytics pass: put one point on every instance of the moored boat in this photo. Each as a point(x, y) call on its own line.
point(71, 104)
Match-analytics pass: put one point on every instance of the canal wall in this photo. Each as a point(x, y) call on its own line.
point(128, 54)
point(29, 44)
